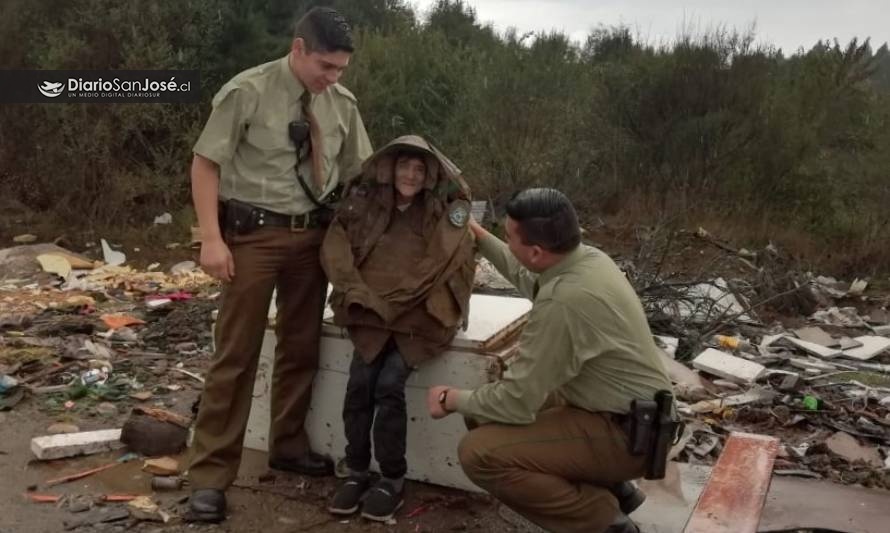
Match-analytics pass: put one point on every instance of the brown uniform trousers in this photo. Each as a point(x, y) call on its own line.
point(554, 471)
point(264, 259)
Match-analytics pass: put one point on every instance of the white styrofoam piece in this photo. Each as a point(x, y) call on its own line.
point(668, 344)
point(728, 366)
point(72, 444)
point(871, 346)
point(489, 315)
point(813, 348)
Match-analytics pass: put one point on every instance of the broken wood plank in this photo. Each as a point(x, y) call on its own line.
point(72, 444)
point(755, 395)
point(728, 366)
point(732, 500)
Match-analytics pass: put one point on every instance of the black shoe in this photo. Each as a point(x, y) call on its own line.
point(308, 464)
point(349, 495)
point(628, 495)
point(622, 524)
point(206, 505)
point(382, 502)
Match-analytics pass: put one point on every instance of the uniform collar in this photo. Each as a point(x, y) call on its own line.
point(570, 260)
point(295, 89)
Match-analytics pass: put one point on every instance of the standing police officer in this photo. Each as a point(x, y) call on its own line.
point(280, 139)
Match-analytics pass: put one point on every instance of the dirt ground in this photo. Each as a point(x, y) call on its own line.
point(261, 500)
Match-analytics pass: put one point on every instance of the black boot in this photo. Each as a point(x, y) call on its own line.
point(207, 505)
point(628, 495)
point(622, 524)
point(308, 464)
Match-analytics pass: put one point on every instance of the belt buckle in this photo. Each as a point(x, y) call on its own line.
point(297, 228)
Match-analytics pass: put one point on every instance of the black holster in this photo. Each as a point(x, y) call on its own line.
point(667, 432)
point(653, 429)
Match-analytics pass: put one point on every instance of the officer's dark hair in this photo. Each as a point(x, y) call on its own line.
point(324, 30)
point(546, 218)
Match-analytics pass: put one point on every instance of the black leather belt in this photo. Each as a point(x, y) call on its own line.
point(319, 218)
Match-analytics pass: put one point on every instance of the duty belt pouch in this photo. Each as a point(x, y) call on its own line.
point(642, 425)
point(239, 218)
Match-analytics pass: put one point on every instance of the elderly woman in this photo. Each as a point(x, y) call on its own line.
point(401, 262)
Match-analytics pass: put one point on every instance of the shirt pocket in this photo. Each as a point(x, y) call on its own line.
point(332, 142)
point(266, 138)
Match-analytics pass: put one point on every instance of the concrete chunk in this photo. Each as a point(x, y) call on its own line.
point(728, 366)
point(72, 444)
point(871, 346)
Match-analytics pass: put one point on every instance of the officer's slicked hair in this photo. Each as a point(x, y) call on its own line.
point(546, 218)
point(324, 30)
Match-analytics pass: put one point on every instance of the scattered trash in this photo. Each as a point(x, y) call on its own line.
point(668, 344)
point(165, 218)
point(86, 473)
point(728, 366)
point(144, 508)
point(120, 321)
point(55, 264)
point(846, 446)
point(812, 403)
point(843, 316)
point(817, 336)
point(110, 256)
point(162, 483)
point(755, 395)
point(73, 444)
point(162, 466)
point(870, 347)
point(812, 348)
point(183, 268)
point(25, 238)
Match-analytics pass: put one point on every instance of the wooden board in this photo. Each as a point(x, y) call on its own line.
point(733, 498)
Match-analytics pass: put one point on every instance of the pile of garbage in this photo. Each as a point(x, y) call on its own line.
point(764, 349)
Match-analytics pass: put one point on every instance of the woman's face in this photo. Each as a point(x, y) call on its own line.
point(410, 176)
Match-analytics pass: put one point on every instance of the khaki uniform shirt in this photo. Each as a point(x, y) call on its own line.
point(247, 135)
point(587, 339)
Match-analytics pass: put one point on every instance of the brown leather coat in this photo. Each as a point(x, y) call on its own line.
point(402, 275)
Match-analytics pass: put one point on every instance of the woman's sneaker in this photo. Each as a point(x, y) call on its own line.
point(349, 495)
point(382, 502)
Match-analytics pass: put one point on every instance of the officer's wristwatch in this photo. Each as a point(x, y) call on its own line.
point(442, 397)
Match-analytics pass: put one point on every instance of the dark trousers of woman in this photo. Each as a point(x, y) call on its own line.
point(375, 404)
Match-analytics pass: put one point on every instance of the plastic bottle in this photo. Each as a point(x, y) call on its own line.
point(7, 382)
point(731, 343)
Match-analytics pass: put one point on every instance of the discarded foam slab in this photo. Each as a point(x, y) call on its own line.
point(816, 335)
point(73, 444)
point(871, 346)
point(668, 344)
point(728, 366)
point(813, 348)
